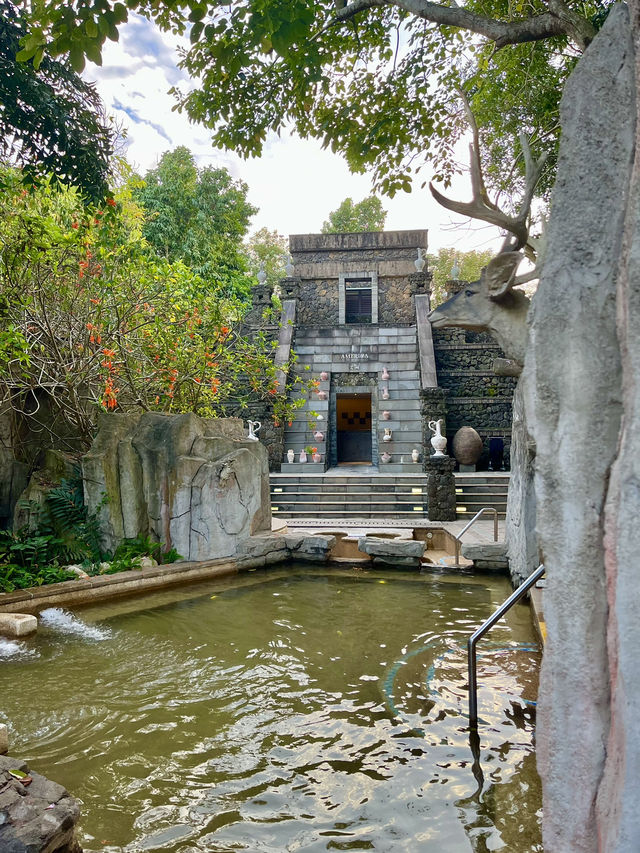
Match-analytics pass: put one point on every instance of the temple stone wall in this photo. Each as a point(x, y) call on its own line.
point(475, 395)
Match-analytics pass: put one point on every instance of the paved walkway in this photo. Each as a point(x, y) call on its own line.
point(481, 531)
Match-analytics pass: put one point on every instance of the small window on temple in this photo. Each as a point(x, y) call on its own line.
point(357, 301)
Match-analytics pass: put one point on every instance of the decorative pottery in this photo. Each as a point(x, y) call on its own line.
point(317, 457)
point(386, 415)
point(467, 446)
point(385, 392)
point(303, 456)
point(319, 436)
point(385, 373)
point(290, 456)
point(322, 395)
point(438, 440)
point(415, 455)
point(419, 261)
point(324, 376)
point(385, 457)
point(254, 427)
point(387, 435)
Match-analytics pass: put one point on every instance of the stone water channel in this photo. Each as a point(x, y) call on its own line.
point(292, 708)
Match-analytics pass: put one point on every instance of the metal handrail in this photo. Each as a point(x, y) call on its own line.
point(482, 630)
point(458, 538)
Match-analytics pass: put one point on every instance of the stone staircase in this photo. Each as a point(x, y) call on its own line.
point(308, 495)
point(485, 488)
point(330, 350)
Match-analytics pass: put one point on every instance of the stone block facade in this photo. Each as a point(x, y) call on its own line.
point(361, 330)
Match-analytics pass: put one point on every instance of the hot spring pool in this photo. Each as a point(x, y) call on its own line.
point(291, 709)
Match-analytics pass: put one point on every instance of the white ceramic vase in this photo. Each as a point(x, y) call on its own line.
point(291, 456)
point(438, 441)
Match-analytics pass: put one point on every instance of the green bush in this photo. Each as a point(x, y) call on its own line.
point(65, 533)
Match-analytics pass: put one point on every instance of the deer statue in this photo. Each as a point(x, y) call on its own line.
point(494, 304)
point(491, 303)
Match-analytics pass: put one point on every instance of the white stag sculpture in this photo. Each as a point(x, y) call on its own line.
point(492, 304)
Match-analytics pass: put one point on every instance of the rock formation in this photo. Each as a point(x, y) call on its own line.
point(195, 484)
point(581, 377)
point(39, 815)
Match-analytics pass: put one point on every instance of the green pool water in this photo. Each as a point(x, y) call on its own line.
point(293, 709)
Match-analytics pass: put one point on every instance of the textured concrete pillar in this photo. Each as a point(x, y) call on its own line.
point(441, 488)
point(573, 409)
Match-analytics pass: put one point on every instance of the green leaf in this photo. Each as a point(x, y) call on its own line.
point(25, 55)
point(76, 58)
point(196, 32)
point(93, 52)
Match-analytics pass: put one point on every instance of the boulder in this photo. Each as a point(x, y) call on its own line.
point(39, 815)
point(195, 484)
point(315, 548)
point(4, 739)
point(393, 552)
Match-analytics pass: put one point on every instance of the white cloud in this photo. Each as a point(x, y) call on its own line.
point(295, 184)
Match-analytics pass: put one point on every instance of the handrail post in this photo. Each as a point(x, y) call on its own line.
point(458, 538)
point(515, 596)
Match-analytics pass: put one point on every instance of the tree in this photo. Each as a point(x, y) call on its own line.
point(365, 215)
point(374, 79)
point(92, 319)
point(443, 266)
point(198, 216)
point(50, 119)
point(268, 251)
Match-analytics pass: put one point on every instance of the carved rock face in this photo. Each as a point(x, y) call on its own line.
point(467, 446)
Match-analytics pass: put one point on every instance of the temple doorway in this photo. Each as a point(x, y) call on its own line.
point(353, 427)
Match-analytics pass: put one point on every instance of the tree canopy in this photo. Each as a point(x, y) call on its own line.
point(365, 215)
point(374, 79)
point(50, 118)
point(268, 251)
point(198, 216)
point(450, 263)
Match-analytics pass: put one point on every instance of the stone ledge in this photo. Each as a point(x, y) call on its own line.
point(260, 550)
point(393, 552)
point(489, 556)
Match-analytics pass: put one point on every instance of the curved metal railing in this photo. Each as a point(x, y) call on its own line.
point(482, 630)
point(456, 565)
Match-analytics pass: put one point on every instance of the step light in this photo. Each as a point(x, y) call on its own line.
point(416, 491)
point(277, 490)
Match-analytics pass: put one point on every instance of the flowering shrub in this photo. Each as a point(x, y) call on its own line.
point(97, 321)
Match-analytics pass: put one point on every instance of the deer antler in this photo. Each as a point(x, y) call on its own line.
point(481, 206)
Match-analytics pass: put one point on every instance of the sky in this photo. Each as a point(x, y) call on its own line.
point(295, 184)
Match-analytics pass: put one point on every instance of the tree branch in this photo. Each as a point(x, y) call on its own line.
point(558, 21)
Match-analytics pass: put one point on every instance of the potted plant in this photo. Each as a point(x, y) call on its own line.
point(309, 451)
